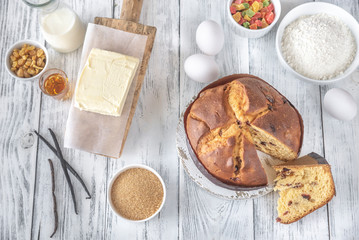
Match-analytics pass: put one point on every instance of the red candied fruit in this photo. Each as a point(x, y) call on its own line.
point(233, 9)
point(269, 17)
point(270, 7)
point(257, 15)
point(242, 21)
point(253, 26)
point(259, 23)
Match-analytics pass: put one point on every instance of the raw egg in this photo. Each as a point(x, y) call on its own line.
point(201, 68)
point(210, 37)
point(340, 104)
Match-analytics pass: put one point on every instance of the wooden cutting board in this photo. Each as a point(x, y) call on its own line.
point(130, 14)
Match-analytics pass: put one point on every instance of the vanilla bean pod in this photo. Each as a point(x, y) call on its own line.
point(56, 216)
point(73, 171)
point(63, 164)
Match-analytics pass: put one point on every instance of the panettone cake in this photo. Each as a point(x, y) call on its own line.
point(304, 185)
point(235, 116)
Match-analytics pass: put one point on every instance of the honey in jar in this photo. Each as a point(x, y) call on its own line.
point(54, 82)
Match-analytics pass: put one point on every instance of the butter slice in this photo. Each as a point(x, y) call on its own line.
point(104, 82)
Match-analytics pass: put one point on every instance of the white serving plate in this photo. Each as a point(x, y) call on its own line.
point(202, 178)
point(311, 9)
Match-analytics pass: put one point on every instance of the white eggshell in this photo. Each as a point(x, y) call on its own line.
point(340, 104)
point(210, 37)
point(201, 68)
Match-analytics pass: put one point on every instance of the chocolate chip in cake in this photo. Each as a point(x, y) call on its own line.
point(270, 99)
point(238, 163)
point(264, 143)
point(247, 122)
point(278, 219)
point(236, 169)
point(220, 133)
point(270, 107)
point(239, 123)
point(272, 127)
point(298, 185)
point(285, 213)
point(284, 100)
point(290, 203)
point(272, 144)
point(239, 160)
point(285, 172)
point(306, 196)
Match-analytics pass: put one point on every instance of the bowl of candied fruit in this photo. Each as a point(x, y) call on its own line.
point(253, 18)
point(26, 59)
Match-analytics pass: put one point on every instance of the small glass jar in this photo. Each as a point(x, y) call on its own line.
point(59, 24)
point(54, 82)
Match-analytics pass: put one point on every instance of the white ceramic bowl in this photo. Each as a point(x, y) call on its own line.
point(254, 33)
point(118, 174)
point(19, 45)
point(311, 9)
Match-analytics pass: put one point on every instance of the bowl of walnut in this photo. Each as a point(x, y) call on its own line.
point(26, 59)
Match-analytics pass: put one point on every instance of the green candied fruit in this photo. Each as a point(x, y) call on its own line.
point(246, 5)
point(265, 3)
point(246, 24)
point(250, 13)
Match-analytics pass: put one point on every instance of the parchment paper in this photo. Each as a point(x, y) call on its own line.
point(97, 133)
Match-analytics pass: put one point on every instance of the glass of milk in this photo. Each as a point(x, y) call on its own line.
point(60, 25)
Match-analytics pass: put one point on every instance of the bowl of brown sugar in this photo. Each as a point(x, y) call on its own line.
point(136, 193)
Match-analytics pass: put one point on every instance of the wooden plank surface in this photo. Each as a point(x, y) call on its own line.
point(19, 112)
point(189, 212)
point(204, 216)
point(306, 98)
point(92, 168)
point(341, 149)
point(151, 139)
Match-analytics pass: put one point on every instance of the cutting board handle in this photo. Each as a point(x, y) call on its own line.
point(131, 10)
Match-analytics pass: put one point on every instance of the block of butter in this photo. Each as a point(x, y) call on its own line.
point(104, 82)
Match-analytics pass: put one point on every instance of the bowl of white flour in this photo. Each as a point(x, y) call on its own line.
point(318, 42)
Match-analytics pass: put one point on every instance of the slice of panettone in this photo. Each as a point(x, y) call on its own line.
point(304, 185)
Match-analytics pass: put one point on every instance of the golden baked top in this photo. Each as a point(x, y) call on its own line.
point(233, 117)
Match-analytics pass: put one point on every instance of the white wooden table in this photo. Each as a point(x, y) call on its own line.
point(189, 212)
